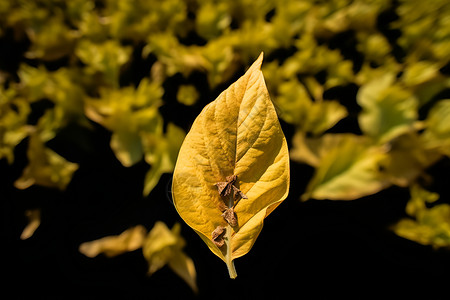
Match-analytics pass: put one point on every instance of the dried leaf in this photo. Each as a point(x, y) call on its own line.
point(237, 134)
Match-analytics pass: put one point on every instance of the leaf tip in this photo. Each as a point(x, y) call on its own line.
point(258, 62)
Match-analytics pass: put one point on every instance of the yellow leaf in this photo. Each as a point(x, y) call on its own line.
point(164, 246)
point(419, 197)
point(34, 220)
point(129, 240)
point(183, 265)
point(235, 156)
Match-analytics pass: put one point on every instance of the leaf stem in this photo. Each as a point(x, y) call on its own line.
point(232, 270)
point(229, 261)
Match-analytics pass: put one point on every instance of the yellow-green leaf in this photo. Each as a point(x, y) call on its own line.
point(164, 246)
point(129, 240)
point(45, 167)
point(187, 94)
point(347, 169)
point(237, 134)
point(389, 110)
point(161, 154)
point(407, 158)
point(419, 197)
point(437, 133)
point(428, 226)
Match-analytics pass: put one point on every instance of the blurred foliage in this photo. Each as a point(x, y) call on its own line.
point(395, 54)
point(160, 246)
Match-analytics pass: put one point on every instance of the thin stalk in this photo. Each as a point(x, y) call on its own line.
point(229, 261)
point(227, 237)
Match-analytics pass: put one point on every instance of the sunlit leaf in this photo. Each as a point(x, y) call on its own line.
point(221, 60)
point(45, 167)
point(138, 19)
point(212, 19)
point(130, 114)
point(428, 226)
point(129, 240)
point(187, 95)
point(376, 47)
point(289, 20)
point(13, 118)
point(63, 88)
point(164, 246)
point(407, 158)
point(348, 169)
point(127, 146)
point(419, 198)
point(420, 72)
point(34, 220)
point(161, 153)
point(295, 106)
point(175, 56)
point(388, 109)
point(51, 39)
point(236, 142)
point(425, 30)
point(312, 58)
point(437, 133)
point(106, 58)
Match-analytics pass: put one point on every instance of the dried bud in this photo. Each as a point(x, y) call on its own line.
point(217, 236)
point(225, 188)
point(230, 216)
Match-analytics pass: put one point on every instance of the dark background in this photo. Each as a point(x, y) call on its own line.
point(312, 250)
